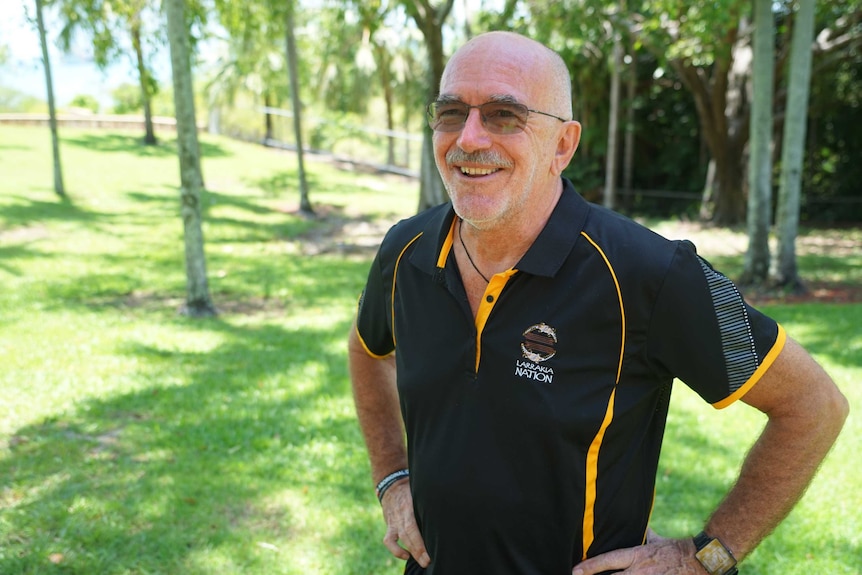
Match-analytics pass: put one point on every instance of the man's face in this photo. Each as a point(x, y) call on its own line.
point(493, 178)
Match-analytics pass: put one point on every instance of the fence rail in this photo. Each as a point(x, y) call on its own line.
point(122, 122)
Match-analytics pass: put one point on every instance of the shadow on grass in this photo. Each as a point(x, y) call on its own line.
point(284, 183)
point(23, 225)
point(220, 453)
point(25, 211)
point(221, 459)
point(12, 253)
point(16, 148)
point(133, 144)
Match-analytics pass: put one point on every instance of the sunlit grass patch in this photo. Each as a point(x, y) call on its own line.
point(133, 440)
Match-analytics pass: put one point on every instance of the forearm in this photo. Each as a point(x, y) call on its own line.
point(784, 459)
point(377, 407)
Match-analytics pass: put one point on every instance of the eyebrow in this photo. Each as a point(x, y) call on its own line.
point(495, 98)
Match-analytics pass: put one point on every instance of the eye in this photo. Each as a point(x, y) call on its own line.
point(503, 113)
point(508, 113)
point(449, 111)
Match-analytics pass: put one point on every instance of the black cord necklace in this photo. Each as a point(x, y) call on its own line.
point(463, 245)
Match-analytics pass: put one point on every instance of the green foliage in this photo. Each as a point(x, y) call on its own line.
point(127, 99)
point(832, 171)
point(11, 100)
point(85, 101)
point(694, 31)
point(107, 23)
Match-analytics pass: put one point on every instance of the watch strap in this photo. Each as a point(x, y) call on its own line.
point(702, 539)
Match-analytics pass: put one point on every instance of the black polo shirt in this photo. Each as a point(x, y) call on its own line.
point(534, 431)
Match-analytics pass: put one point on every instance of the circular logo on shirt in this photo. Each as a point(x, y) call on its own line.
point(539, 342)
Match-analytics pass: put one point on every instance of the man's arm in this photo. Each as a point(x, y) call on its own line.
point(377, 406)
point(805, 411)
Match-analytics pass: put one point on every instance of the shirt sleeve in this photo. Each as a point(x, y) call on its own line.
point(704, 333)
point(373, 317)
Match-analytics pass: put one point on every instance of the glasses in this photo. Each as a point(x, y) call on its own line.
point(497, 117)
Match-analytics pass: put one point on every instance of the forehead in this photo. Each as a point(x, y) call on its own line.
point(490, 70)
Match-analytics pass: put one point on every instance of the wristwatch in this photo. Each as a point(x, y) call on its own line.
point(714, 556)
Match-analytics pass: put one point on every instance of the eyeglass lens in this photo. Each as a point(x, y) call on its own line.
point(497, 117)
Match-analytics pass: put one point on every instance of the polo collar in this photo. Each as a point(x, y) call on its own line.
point(556, 240)
point(544, 258)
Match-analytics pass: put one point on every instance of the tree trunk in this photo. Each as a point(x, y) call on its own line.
point(707, 200)
point(383, 64)
point(304, 202)
point(406, 126)
point(431, 190)
point(613, 124)
point(756, 269)
point(722, 109)
point(729, 207)
point(198, 302)
point(59, 189)
point(267, 118)
point(144, 81)
point(430, 22)
point(785, 273)
point(629, 145)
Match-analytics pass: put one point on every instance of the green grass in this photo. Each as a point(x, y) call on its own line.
point(137, 441)
point(704, 447)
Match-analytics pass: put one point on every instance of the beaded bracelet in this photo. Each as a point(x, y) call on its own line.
point(389, 481)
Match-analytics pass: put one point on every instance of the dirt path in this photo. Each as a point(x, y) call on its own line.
point(356, 235)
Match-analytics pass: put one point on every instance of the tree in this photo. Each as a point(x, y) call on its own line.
point(106, 21)
point(52, 110)
point(631, 107)
point(255, 28)
point(254, 62)
point(582, 33)
point(198, 301)
point(613, 122)
point(430, 18)
point(707, 46)
point(377, 39)
point(304, 203)
point(785, 273)
point(756, 267)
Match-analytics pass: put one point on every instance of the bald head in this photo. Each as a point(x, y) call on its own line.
point(528, 61)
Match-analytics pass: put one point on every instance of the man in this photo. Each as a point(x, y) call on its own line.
point(526, 342)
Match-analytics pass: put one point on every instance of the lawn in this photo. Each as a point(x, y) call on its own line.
point(135, 440)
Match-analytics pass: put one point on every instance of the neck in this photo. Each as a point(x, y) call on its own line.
point(499, 246)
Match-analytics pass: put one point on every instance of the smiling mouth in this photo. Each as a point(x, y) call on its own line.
point(478, 171)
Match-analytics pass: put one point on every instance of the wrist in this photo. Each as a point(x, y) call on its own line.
point(384, 484)
point(714, 556)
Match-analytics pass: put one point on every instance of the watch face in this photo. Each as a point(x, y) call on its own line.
point(715, 558)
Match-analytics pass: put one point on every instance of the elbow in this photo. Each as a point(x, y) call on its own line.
point(840, 408)
point(833, 412)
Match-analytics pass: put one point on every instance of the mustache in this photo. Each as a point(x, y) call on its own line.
point(484, 157)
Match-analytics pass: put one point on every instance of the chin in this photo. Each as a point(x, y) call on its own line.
point(478, 218)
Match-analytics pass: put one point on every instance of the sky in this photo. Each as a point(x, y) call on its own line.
point(76, 74)
point(72, 74)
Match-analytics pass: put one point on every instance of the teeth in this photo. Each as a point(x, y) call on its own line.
point(477, 171)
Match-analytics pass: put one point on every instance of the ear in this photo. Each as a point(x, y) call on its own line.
point(569, 138)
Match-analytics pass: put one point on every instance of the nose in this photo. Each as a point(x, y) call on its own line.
point(473, 135)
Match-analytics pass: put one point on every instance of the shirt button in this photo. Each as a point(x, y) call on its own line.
point(489, 299)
